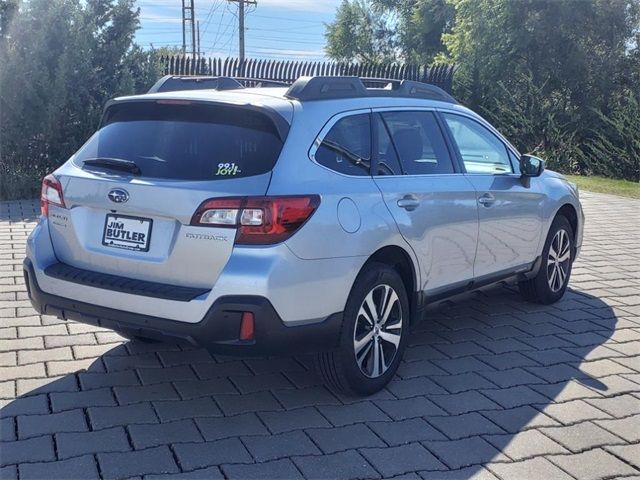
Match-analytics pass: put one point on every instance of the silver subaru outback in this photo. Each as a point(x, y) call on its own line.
point(322, 217)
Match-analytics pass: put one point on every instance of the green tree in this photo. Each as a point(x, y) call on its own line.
point(419, 26)
point(575, 55)
point(62, 60)
point(577, 47)
point(389, 30)
point(561, 77)
point(614, 148)
point(358, 34)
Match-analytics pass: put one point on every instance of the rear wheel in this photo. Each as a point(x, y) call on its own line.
point(549, 285)
point(374, 332)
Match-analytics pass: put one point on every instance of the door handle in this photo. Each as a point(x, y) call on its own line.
point(487, 200)
point(409, 202)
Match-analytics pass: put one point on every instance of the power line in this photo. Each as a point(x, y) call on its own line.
point(276, 39)
point(286, 30)
point(224, 33)
point(274, 49)
point(161, 44)
point(207, 22)
point(297, 20)
point(215, 40)
point(291, 33)
point(156, 32)
point(299, 33)
point(241, 14)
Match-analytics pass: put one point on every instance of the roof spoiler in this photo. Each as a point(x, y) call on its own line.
point(172, 83)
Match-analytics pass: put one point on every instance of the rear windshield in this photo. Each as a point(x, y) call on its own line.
point(185, 142)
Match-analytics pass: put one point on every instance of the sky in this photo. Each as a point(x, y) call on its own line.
point(290, 29)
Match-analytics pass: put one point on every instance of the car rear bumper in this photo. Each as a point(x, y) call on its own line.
point(301, 291)
point(218, 331)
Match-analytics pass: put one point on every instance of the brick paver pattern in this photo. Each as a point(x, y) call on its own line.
point(490, 387)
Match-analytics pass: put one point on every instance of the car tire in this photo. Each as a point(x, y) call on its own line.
point(551, 281)
point(375, 329)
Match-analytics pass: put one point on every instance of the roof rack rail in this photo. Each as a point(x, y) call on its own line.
point(261, 82)
point(171, 83)
point(324, 88)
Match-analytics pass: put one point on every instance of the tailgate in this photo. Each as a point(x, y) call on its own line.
point(135, 223)
point(174, 252)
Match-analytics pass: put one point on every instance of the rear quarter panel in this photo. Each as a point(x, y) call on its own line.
point(362, 228)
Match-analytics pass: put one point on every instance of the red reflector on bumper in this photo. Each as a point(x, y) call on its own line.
point(247, 326)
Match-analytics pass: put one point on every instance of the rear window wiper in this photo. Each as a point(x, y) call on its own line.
point(114, 164)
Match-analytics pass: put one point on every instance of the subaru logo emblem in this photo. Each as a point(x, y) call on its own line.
point(118, 195)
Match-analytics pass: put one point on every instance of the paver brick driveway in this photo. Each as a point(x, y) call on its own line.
point(490, 387)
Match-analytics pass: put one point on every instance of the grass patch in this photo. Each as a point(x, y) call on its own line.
point(624, 188)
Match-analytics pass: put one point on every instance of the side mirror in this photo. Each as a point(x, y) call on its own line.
point(531, 166)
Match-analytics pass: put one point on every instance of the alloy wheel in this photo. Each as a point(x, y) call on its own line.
point(377, 331)
point(558, 260)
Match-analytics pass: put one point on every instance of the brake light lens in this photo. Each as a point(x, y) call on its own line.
point(51, 194)
point(174, 102)
point(247, 327)
point(259, 220)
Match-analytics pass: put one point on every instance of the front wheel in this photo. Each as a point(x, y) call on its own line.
point(374, 333)
point(549, 285)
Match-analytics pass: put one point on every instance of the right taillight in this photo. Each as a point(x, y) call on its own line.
point(50, 194)
point(258, 220)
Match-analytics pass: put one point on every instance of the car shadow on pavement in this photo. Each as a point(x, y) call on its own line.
point(484, 380)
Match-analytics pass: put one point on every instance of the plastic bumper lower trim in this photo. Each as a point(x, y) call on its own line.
point(218, 331)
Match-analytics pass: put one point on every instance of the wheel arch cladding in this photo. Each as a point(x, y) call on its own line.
point(569, 212)
point(398, 259)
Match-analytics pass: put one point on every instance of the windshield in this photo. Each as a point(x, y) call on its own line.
point(184, 141)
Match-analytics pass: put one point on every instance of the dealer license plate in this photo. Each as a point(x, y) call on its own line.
point(130, 233)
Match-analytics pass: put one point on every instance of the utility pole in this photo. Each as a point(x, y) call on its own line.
point(198, 38)
point(241, 30)
point(189, 23)
point(241, 13)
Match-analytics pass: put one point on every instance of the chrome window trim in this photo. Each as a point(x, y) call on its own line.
point(428, 175)
point(359, 111)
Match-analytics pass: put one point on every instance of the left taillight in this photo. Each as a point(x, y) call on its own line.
point(258, 220)
point(51, 194)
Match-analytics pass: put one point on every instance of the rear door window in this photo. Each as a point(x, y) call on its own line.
point(186, 142)
point(346, 148)
point(419, 142)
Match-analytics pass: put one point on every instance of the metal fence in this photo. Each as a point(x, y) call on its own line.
point(289, 70)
